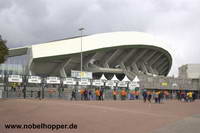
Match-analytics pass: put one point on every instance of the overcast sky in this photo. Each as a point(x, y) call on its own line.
point(177, 22)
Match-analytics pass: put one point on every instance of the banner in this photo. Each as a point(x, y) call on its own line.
point(84, 82)
point(53, 80)
point(164, 84)
point(79, 74)
point(110, 83)
point(34, 79)
point(122, 84)
point(97, 83)
point(133, 85)
point(69, 81)
point(15, 78)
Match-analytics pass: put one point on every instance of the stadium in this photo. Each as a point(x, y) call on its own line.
point(120, 53)
point(131, 60)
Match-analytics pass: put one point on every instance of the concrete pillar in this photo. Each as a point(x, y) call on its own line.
point(62, 72)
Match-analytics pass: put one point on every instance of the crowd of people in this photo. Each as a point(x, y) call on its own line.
point(156, 96)
point(148, 95)
point(186, 96)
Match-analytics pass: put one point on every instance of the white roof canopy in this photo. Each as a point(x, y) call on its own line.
point(114, 78)
point(126, 79)
point(103, 77)
point(136, 79)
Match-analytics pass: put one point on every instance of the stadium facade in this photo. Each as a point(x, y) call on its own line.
point(120, 53)
point(114, 55)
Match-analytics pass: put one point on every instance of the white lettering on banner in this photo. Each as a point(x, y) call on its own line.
point(134, 85)
point(15, 78)
point(53, 80)
point(69, 81)
point(79, 74)
point(34, 79)
point(84, 82)
point(122, 84)
point(97, 83)
point(110, 83)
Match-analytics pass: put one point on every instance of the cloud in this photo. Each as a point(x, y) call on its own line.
point(176, 22)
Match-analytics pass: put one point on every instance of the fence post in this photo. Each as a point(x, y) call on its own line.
point(24, 85)
point(6, 84)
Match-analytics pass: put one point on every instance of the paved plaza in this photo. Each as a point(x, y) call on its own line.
point(102, 116)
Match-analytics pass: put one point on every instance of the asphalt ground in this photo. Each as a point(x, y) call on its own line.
point(101, 116)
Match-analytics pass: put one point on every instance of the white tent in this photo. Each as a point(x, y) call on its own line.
point(126, 79)
point(103, 77)
point(136, 79)
point(114, 78)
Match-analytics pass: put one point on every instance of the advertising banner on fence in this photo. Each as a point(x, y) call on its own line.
point(53, 80)
point(15, 78)
point(97, 83)
point(79, 74)
point(69, 81)
point(122, 84)
point(84, 82)
point(110, 83)
point(133, 85)
point(34, 79)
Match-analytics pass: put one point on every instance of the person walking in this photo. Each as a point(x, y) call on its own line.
point(137, 93)
point(90, 95)
point(85, 94)
point(39, 94)
point(101, 94)
point(97, 92)
point(149, 96)
point(144, 94)
point(160, 95)
point(189, 95)
point(123, 94)
point(156, 96)
point(114, 94)
point(73, 96)
point(82, 94)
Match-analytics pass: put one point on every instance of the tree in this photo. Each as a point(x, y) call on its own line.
point(3, 50)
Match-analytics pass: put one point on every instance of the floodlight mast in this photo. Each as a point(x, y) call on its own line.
point(81, 29)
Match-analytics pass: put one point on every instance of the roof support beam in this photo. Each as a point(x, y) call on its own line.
point(105, 57)
point(63, 66)
point(140, 56)
point(159, 63)
point(150, 56)
point(66, 63)
point(155, 59)
point(164, 70)
point(135, 67)
point(151, 70)
point(62, 72)
point(162, 66)
point(129, 55)
point(113, 56)
point(144, 67)
point(88, 59)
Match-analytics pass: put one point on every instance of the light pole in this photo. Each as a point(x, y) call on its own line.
point(81, 29)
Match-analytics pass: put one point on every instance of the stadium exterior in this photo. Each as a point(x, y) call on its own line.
point(114, 55)
point(120, 53)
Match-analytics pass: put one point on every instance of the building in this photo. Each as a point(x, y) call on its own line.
point(192, 72)
point(120, 53)
point(117, 53)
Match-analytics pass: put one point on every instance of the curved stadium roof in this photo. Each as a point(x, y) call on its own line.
point(110, 49)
